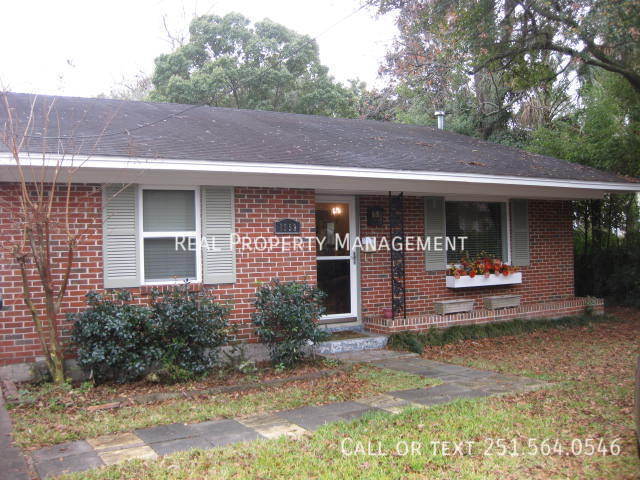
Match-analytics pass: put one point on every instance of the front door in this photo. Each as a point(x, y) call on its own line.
point(336, 267)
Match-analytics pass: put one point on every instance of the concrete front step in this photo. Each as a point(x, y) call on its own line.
point(368, 341)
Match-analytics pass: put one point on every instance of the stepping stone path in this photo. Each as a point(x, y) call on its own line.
point(12, 464)
point(150, 443)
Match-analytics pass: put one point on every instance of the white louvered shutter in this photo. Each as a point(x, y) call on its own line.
point(520, 256)
point(434, 226)
point(218, 224)
point(120, 240)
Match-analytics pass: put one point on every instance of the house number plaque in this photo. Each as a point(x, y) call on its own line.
point(287, 226)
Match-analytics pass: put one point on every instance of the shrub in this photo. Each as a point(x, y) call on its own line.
point(188, 328)
point(286, 319)
point(409, 341)
point(417, 341)
point(113, 338)
point(176, 336)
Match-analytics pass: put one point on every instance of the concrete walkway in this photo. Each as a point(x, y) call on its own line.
point(12, 464)
point(149, 443)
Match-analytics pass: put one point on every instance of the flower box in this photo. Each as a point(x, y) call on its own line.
point(501, 301)
point(444, 307)
point(465, 281)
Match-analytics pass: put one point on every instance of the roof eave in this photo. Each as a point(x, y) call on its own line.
point(111, 169)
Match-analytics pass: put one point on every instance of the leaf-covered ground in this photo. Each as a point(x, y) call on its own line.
point(60, 415)
point(588, 408)
point(88, 394)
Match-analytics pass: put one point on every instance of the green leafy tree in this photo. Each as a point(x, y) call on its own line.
point(503, 69)
point(229, 62)
point(433, 73)
point(516, 36)
point(603, 133)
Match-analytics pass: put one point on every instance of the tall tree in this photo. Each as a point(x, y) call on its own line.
point(433, 73)
point(229, 62)
point(514, 36)
point(602, 131)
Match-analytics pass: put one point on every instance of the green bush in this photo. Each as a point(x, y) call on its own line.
point(418, 341)
point(188, 328)
point(286, 319)
point(176, 336)
point(113, 338)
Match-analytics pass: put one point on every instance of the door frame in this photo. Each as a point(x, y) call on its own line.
point(352, 316)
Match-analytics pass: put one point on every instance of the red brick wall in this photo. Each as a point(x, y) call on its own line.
point(549, 276)
point(18, 340)
point(256, 211)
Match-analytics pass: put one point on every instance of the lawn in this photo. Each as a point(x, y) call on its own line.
point(518, 436)
point(61, 414)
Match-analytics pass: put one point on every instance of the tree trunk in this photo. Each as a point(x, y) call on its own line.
point(55, 364)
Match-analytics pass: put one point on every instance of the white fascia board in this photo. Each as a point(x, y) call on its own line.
point(138, 164)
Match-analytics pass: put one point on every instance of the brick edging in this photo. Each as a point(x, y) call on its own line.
point(553, 309)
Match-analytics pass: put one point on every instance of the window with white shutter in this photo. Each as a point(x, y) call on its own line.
point(169, 235)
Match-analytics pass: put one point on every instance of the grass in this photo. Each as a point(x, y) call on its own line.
point(592, 366)
point(53, 420)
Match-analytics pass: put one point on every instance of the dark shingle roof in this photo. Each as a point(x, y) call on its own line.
point(221, 134)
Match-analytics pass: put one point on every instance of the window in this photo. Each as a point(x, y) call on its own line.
point(485, 226)
point(169, 235)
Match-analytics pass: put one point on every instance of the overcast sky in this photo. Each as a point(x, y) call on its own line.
point(86, 47)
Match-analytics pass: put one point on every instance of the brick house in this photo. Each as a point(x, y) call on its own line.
point(261, 186)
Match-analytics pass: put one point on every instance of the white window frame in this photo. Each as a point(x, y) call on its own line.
point(353, 268)
point(171, 234)
point(506, 218)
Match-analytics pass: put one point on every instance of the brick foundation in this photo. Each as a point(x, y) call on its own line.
point(554, 309)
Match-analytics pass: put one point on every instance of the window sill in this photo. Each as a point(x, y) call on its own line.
point(466, 281)
point(162, 283)
point(146, 289)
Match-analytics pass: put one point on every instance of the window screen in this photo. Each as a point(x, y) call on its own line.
point(163, 261)
point(168, 210)
point(173, 213)
point(484, 225)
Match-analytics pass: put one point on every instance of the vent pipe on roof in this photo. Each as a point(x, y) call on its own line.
point(440, 116)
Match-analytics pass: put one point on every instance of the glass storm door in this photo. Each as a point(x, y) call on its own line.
point(336, 267)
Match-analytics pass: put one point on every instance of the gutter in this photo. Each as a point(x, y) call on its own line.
point(137, 164)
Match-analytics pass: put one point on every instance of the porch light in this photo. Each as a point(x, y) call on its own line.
point(336, 210)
